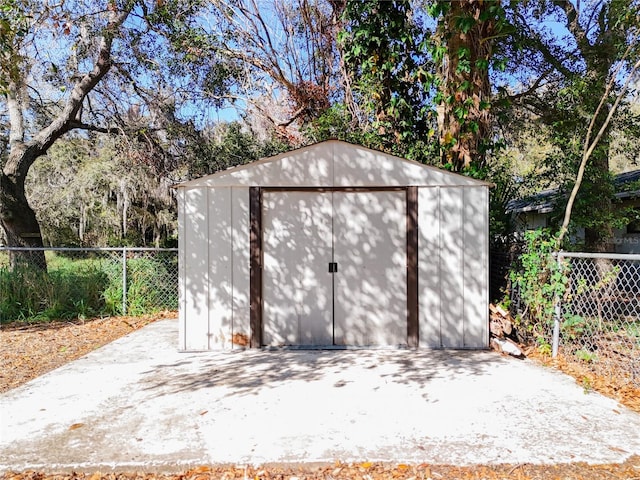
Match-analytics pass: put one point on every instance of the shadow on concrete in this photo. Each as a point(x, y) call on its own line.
point(244, 373)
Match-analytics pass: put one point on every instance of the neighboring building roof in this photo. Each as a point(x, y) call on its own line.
point(544, 201)
point(333, 163)
point(627, 184)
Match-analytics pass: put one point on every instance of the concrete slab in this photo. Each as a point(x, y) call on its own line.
point(139, 404)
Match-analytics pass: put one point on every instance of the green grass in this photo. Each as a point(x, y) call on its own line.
point(84, 288)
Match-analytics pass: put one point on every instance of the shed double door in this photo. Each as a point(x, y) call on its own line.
point(334, 268)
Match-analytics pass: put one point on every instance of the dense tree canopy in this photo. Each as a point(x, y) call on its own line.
point(568, 57)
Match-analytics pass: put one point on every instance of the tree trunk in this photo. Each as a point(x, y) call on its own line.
point(465, 127)
point(19, 222)
point(598, 49)
point(598, 186)
point(17, 218)
point(598, 237)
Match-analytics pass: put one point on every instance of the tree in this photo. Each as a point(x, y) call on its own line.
point(402, 69)
point(229, 144)
point(113, 57)
point(563, 82)
point(386, 55)
point(464, 50)
point(287, 53)
point(85, 191)
point(593, 137)
point(16, 216)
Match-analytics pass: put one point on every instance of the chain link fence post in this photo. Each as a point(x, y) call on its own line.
point(557, 314)
point(124, 280)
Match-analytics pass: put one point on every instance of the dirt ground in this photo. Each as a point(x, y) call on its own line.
point(27, 351)
point(30, 350)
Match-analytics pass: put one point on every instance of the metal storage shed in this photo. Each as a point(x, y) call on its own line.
point(333, 245)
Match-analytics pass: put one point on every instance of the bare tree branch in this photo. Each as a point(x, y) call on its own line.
point(76, 125)
point(19, 163)
point(589, 145)
point(534, 86)
point(573, 24)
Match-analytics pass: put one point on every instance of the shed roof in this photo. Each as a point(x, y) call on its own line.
point(333, 163)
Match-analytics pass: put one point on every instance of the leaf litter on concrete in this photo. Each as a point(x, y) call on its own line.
point(617, 388)
point(28, 351)
point(366, 471)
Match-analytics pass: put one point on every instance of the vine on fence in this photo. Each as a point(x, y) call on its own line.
point(540, 281)
point(543, 281)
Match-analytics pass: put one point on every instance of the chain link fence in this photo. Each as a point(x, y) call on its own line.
point(86, 282)
point(599, 313)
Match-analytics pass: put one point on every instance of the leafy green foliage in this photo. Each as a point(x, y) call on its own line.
point(86, 288)
point(385, 50)
point(540, 282)
point(89, 191)
point(464, 49)
point(508, 184)
point(14, 25)
point(564, 78)
point(63, 293)
point(227, 145)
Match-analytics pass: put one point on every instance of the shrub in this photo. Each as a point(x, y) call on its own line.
point(540, 281)
point(87, 287)
point(147, 286)
point(65, 293)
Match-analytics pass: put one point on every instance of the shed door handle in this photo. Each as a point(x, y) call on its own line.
point(333, 267)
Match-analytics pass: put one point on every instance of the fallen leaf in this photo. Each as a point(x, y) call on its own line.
point(201, 469)
point(616, 449)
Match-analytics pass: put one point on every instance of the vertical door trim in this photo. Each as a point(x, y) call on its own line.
point(255, 266)
point(412, 268)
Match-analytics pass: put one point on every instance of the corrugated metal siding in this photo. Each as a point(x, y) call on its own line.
point(219, 255)
point(182, 292)
point(476, 275)
point(196, 259)
point(453, 268)
point(240, 328)
point(429, 238)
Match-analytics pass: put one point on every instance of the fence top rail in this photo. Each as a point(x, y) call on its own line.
point(609, 256)
point(87, 249)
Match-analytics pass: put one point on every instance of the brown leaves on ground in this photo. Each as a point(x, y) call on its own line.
point(30, 350)
point(618, 389)
point(368, 471)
